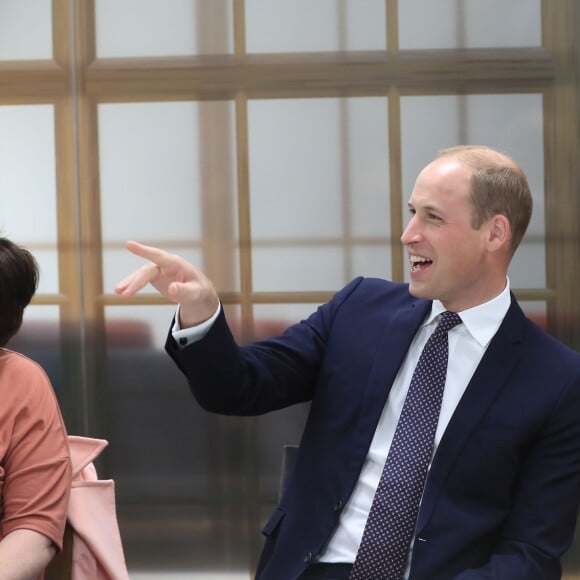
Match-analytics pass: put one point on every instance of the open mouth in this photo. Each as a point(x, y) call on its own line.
point(419, 263)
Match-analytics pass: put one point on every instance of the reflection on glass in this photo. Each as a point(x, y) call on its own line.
point(168, 456)
point(306, 26)
point(536, 311)
point(319, 188)
point(512, 123)
point(424, 24)
point(272, 319)
point(168, 178)
point(40, 339)
point(152, 413)
point(25, 30)
point(28, 183)
point(138, 326)
point(197, 542)
point(134, 28)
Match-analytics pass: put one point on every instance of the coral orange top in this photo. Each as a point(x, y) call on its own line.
point(35, 470)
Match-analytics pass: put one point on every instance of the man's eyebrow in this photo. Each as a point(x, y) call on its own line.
point(426, 208)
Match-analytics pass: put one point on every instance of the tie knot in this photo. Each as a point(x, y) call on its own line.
point(447, 321)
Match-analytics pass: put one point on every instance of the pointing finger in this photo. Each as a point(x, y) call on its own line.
point(155, 255)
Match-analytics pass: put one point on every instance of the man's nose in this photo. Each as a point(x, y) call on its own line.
point(410, 233)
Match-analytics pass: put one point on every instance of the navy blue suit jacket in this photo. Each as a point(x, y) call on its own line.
point(503, 490)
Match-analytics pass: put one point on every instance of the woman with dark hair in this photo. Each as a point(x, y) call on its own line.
point(35, 472)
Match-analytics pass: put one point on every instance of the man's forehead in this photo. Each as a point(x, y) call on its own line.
point(449, 176)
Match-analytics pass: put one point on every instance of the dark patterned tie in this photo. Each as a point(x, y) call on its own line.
point(384, 548)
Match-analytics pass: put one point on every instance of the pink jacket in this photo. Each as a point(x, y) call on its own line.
point(97, 548)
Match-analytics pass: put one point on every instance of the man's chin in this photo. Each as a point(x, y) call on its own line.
point(419, 291)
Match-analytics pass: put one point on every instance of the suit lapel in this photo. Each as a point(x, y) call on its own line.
point(391, 352)
point(490, 377)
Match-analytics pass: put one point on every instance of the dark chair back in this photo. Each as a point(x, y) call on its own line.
point(60, 568)
point(288, 460)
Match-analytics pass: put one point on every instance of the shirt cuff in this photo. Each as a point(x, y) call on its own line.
point(186, 336)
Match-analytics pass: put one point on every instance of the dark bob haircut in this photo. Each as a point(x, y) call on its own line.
point(18, 283)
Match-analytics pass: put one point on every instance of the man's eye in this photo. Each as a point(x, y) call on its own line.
point(433, 216)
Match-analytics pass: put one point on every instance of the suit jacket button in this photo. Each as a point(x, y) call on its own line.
point(308, 557)
point(339, 504)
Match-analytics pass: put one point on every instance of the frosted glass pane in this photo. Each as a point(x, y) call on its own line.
point(469, 23)
point(25, 30)
point(372, 260)
point(28, 185)
point(512, 123)
point(324, 25)
point(44, 314)
point(133, 28)
point(47, 260)
point(273, 319)
point(138, 326)
point(319, 188)
point(296, 269)
point(167, 177)
point(147, 327)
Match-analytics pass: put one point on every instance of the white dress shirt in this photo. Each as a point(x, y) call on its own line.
point(467, 345)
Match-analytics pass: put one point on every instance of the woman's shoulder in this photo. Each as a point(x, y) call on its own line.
point(17, 371)
point(18, 360)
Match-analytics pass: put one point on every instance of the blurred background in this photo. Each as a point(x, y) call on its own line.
point(275, 144)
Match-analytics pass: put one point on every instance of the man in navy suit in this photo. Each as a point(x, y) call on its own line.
point(502, 492)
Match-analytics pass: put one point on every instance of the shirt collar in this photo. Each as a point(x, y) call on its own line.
point(481, 321)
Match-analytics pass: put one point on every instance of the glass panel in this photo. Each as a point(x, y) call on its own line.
point(168, 178)
point(469, 23)
point(319, 189)
point(148, 326)
point(373, 259)
point(25, 30)
point(272, 319)
point(186, 542)
point(536, 311)
point(297, 269)
point(28, 185)
point(39, 338)
point(138, 326)
point(324, 25)
point(150, 412)
point(134, 28)
point(512, 123)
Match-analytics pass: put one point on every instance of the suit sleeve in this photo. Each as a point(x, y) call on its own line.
point(259, 377)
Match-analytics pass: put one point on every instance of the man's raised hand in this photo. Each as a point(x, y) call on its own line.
point(175, 279)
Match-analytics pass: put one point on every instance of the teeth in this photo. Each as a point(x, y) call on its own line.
point(415, 259)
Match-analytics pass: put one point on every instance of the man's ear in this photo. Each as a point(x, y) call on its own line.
point(499, 233)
